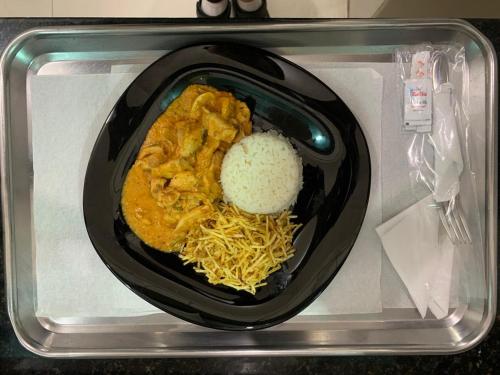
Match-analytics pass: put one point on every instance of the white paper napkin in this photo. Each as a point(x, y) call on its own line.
point(422, 257)
point(440, 288)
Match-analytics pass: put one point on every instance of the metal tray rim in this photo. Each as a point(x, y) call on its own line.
point(315, 25)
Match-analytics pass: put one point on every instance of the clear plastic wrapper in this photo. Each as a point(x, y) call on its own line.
point(434, 83)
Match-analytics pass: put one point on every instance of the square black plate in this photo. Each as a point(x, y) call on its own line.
point(331, 206)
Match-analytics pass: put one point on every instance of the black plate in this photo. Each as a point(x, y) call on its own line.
point(331, 206)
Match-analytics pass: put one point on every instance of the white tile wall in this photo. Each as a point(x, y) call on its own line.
point(124, 8)
point(158, 8)
point(308, 8)
point(363, 8)
point(25, 8)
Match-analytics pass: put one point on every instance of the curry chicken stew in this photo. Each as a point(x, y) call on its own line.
point(175, 180)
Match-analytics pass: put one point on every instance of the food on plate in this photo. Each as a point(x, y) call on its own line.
point(262, 174)
point(172, 197)
point(174, 182)
point(239, 249)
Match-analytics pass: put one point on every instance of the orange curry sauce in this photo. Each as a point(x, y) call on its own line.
point(175, 180)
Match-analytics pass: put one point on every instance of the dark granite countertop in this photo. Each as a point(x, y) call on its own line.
point(483, 359)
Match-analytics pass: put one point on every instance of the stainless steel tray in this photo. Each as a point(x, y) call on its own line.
point(96, 49)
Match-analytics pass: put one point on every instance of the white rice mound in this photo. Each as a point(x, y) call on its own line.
point(262, 174)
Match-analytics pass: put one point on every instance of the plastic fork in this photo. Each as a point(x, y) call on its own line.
point(452, 217)
point(446, 193)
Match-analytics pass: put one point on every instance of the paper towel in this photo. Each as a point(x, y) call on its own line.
point(71, 279)
point(356, 288)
